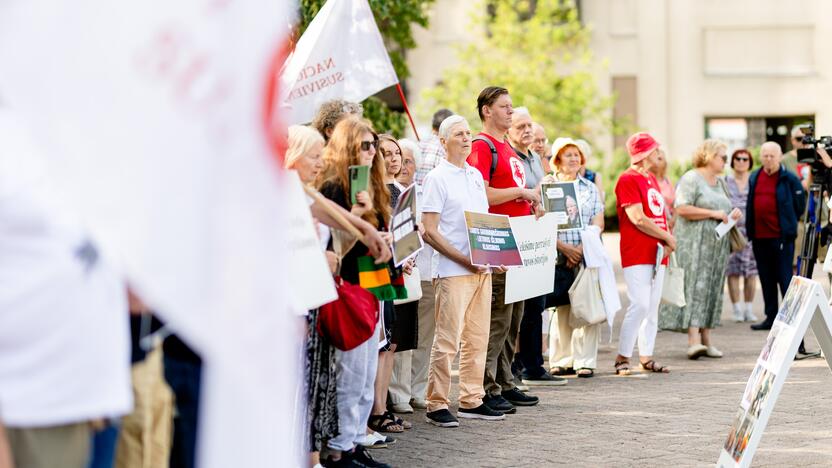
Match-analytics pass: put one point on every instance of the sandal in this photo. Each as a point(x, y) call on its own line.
point(622, 368)
point(401, 422)
point(653, 367)
point(585, 372)
point(562, 371)
point(383, 423)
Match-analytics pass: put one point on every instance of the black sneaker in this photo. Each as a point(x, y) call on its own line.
point(345, 461)
point(764, 325)
point(481, 412)
point(442, 418)
point(362, 457)
point(544, 379)
point(498, 403)
point(518, 398)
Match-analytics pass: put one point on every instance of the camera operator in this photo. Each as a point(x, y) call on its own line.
point(776, 200)
point(790, 158)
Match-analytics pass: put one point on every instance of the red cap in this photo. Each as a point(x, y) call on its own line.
point(639, 145)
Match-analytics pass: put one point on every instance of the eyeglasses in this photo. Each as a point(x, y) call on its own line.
point(365, 145)
point(740, 159)
point(724, 157)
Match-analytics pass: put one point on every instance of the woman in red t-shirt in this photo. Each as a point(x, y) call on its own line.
point(641, 216)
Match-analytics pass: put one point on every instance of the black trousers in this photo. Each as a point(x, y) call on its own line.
point(774, 264)
point(529, 360)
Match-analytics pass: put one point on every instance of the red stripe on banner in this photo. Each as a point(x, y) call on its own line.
point(507, 257)
point(274, 131)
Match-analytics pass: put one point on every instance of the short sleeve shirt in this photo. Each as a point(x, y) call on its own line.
point(451, 191)
point(637, 248)
point(510, 172)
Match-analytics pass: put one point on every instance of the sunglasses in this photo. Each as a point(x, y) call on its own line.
point(741, 159)
point(365, 145)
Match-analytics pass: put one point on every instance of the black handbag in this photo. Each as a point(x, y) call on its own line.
point(564, 277)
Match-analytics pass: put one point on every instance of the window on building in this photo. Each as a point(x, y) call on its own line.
point(751, 132)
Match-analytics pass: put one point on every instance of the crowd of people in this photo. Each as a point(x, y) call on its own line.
point(406, 324)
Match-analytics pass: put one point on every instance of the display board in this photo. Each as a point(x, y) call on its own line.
point(804, 305)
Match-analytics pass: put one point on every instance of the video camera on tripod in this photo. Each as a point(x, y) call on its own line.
point(809, 155)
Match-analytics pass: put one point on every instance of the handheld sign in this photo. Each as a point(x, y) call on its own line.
point(407, 241)
point(561, 199)
point(537, 242)
point(491, 240)
point(805, 305)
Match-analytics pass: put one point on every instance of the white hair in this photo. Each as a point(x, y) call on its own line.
point(583, 145)
point(521, 111)
point(407, 144)
point(301, 139)
point(449, 123)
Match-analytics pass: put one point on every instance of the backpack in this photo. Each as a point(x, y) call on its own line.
point(493, 149)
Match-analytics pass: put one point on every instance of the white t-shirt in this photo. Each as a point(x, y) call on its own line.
point(64, 329)
point(450, 191)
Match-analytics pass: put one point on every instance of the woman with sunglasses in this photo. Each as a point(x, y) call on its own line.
point(701, 204)
point(741, 264)
point(353, 143)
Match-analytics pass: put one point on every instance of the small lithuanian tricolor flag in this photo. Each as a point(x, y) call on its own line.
point(378, 280)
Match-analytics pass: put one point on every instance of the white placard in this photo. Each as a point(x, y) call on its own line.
point(311, 279)
point(805, 304)
point(723, 227)
point(536, 240)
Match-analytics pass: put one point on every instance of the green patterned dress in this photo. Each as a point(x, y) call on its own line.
point(702, 256)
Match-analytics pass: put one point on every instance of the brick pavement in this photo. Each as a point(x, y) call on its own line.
point(680, 419)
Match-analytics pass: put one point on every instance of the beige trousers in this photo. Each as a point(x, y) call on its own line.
point(463, 306)
point(65, 446)
point(573, 347)
point(146, 434)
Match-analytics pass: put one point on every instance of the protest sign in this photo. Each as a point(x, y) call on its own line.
point(407, 241)
point(341, 55)
point(536, 240)
point(311, 279)
point(561, 199)
point(491, 240)
point(804, 305)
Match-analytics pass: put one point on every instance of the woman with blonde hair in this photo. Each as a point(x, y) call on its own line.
point(701, 204)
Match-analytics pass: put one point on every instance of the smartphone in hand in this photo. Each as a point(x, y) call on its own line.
point(359, 181)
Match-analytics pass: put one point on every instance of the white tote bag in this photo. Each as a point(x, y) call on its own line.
point(587, 304)
point(673, 289)
point(413, 285)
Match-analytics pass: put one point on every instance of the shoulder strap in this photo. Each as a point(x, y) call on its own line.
point(493, 153)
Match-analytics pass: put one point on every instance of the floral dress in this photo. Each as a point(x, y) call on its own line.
point(741, 263)
point(701, 255)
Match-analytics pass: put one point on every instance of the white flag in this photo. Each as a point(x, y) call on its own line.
point(152, 116)
point(340, 55)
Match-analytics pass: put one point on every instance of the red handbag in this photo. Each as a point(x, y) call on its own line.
point(351, 319)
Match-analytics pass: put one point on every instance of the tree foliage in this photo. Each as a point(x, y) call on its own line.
point(539, 50)
point(395, 19)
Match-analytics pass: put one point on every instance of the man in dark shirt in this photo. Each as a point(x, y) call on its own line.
point(776, 200)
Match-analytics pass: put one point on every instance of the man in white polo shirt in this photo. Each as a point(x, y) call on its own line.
point(463, 291)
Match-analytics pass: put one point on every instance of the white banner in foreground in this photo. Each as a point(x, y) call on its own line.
point(152, 117)
point(536, 241)
point(340, 55)
point(804, 305)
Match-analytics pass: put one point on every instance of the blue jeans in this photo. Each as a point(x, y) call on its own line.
point(184, 378)
point(104, 447)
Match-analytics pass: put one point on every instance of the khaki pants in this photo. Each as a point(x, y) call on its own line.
point(50, 447)
point(575, 348)
point(146, 433)
point(505, 325)
point(462, 309)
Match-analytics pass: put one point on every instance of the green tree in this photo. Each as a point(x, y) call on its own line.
point(395, 19)
point(539, 50)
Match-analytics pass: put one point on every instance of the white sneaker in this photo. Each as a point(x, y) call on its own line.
point(402, 408)
point(712, 352)
point(749, 313)
point(696, 351)
point(739, 316)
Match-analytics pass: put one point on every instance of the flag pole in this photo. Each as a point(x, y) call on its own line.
point(407, 110)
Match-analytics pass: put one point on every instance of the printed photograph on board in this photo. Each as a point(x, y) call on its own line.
point(561, 198)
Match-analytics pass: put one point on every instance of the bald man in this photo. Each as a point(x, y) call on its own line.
point(776, 200)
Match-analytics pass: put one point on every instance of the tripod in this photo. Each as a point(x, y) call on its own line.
point(811, 243)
